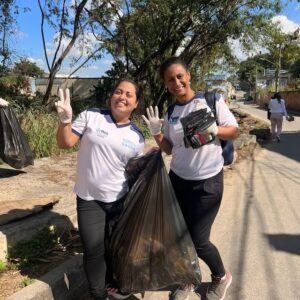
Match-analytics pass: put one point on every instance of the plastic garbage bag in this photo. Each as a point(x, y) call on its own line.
point(14, 148)
point(151, 247)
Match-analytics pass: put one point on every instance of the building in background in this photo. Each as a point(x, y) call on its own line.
point(219, 84)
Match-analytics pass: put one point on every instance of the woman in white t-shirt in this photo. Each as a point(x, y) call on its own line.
point(196, 174)
point(108, 139)
point(277, 110)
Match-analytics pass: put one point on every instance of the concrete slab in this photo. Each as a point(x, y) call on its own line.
point(66, 282)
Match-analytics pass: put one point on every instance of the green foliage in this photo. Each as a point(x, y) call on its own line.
point(26, 281)
point(142, 126)
point(2, 266)
point(261, 96)
point(147, 33)
point(27, 68)
point(8, 28)
point(11, 85)
point(295, 69)
point(40, 129)
point(24, 252)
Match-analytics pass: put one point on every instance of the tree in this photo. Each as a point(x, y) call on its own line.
point(70, 23)
point(282, 49)
point(144, 33)
point(27, 68)
point(8, 24)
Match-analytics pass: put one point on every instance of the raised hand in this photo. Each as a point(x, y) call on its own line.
point(63, 106)
point(153, 122)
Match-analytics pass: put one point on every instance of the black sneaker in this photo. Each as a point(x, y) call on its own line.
point(218, 287)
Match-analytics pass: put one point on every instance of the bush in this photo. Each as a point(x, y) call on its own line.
point(139, 122)
point(40, 129)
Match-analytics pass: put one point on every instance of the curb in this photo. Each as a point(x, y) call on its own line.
point(66, 282)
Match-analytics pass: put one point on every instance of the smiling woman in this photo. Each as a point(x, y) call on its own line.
point(108, 139)
point(124, 100)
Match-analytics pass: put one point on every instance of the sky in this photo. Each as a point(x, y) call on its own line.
point(28, 41)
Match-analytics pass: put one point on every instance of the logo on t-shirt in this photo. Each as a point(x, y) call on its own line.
point(128, 144)
point(173, 120)
point(101, 133)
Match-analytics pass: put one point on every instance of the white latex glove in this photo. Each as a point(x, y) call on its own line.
point(153, 122)
point(212, 129)
point(3, 103)
point(63, 106)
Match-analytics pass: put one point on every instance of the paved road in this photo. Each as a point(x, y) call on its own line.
point(258, 227)
point(261, 219)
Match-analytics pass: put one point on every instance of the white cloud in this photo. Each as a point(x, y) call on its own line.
point(107, 62)
point(285, 25)
point(38, 61)
point(90, 44)
point(242, 54)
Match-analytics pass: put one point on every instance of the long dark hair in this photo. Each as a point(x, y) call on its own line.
point(277, 96)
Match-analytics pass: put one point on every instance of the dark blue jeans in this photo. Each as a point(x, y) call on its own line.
point(200, 201)
point(96, 221)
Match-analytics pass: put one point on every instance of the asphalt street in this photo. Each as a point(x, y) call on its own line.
point(258, 228)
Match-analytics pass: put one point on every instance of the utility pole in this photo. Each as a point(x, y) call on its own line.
point(278, 68)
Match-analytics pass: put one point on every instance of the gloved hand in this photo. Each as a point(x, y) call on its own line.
point(212, 129)
point(63, 106)
point(3, 103)
point(153, 122)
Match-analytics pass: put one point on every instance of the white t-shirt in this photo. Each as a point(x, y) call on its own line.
point(277, 107)
point(105, 148)
point(206, 161)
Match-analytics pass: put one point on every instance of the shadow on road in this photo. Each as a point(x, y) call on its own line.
point(289, 145)
point(6, 173)
point(285, 242)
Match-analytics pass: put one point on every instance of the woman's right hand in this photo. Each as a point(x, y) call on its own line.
point(63, 106)
point(153, 122)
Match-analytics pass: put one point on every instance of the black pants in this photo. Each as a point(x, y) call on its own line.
point(200, 202)
point(96, 221)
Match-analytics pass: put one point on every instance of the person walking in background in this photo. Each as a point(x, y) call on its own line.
point(196, 174)
point(277, 110)
point(108, 139)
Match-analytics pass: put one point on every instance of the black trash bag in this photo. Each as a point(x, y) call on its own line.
point(290, 118)
point(135, 166)
point(151, 247)
point(14, 148)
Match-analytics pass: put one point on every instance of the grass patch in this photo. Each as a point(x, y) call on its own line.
point(24, 253)
point(26, 281)
point(2, 266)
point(40, 129)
